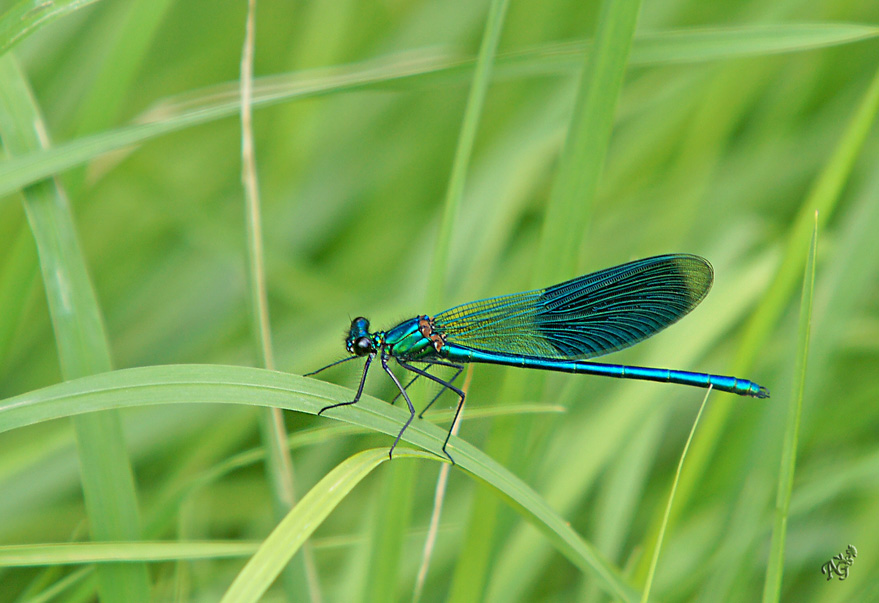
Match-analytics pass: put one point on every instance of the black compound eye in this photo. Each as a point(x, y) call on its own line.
point(363, 345)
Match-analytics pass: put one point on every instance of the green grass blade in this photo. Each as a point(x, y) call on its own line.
point(207, 106)
point(51, 593)
point(77, 320)
point(110, 552)
point(713, 44)
point(823, 198)
point(475, 560)
point(126, 38)
point(390, 525)
point(215, 384)
point(564, 227)
point(621, 496)
point(312, 437)
point(588, 136)
point(775, 566)
point(219, 102)
point(692, 45)
point(107, 480)
point(17, 278)
point(301, 576)
point(855, 259)
point(824, 195)
point(654, 561)
point(123, 58)
point(436, 290)
point(301, 522)
point(26, 16)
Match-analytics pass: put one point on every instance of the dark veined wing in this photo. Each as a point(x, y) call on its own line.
point(585, 317)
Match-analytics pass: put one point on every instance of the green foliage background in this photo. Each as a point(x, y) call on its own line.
point(724, 143)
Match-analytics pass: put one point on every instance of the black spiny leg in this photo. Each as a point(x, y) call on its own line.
point(458, 368)
point(411, 381)
point(346, 359)
point(405, 397)
point(460, 393)
point(430, 363)
point(359, 388)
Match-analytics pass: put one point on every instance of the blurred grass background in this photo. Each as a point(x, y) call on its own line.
point(713, 156)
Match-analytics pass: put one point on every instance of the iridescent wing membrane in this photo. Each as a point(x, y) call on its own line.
point(585, 317)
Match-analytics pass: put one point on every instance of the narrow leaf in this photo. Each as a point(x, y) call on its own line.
point(775, 567)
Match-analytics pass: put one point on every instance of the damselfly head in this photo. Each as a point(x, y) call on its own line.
point(359, 340)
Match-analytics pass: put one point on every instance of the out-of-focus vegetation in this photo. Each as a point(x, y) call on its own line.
point(735, 122)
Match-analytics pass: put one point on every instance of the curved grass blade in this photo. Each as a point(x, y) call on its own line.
point(645, 595)
point(301, 522)
point(166, 512)
point(27, 16)
point(214, 384)
point(218, 102)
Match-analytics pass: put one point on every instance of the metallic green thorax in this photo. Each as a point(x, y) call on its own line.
point(408, 340)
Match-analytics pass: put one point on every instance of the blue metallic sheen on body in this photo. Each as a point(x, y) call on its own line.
point(556, 329)
point(406, 342)
point(742, 387)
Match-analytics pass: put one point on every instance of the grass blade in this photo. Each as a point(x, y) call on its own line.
point(437, 290)
point(109, 552)
point(27, 16)
point(775, 566)
point(565, 225)
point(455, 192)
point(17, 278)
point(390, 524)
point(645, 595)
point(712, 44)
point(51, 593)
point(823, 198)
point(824, 195)
point(302, 575)
point(207, 105)
point(301, 522)
point(588, 137)
point(107, 479)
point(215, 384)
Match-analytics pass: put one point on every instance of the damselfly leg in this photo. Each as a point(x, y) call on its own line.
point(445, 384)
point(359, 387)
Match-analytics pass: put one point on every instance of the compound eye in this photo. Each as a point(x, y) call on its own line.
point(363, 346)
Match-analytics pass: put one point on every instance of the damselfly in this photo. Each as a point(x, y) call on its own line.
point(554, 329)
